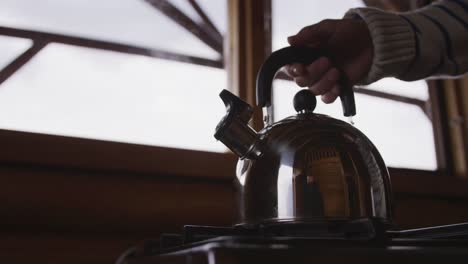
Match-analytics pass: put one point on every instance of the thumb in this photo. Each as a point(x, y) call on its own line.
point(313, 35)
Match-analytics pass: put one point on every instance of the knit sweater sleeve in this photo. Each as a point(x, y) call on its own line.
point(429, 42)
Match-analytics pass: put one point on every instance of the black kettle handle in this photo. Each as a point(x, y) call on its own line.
point(295, 54)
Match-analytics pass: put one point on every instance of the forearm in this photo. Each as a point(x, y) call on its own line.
point(432, 41)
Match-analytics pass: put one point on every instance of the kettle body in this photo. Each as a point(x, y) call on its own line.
point(308, 169)
point(313, 168)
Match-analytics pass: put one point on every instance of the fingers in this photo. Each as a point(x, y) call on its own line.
point(314, 34)
point(314, 72)
point(320, 77)
point(295, 70)
point(331, 95)
point(308, 75)
point(326, 83)
point(326, 86)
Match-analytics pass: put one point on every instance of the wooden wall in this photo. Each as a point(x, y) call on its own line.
point(51, 215)
point(425, 198)
point(70, 200)
point(58, 216)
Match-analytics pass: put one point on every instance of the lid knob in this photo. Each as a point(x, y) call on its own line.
point(304, 100)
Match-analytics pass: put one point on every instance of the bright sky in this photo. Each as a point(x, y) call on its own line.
point(104, 95)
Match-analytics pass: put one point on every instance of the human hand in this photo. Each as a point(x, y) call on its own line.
point(349, 45)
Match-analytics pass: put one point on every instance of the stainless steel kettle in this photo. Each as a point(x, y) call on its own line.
point(308, 168)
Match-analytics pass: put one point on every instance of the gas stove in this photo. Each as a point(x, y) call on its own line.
point(303, 243)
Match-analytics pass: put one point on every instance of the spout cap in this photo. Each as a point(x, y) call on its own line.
point(235, 106)
point(233, 130)
point(237, 110)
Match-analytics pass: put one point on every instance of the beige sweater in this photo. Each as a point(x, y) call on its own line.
point(429, 42)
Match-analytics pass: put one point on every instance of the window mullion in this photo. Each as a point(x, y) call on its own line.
point(248, 45)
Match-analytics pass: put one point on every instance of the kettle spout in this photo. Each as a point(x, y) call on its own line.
point(233, 130)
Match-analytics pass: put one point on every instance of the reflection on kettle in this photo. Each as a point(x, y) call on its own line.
point(307, 168)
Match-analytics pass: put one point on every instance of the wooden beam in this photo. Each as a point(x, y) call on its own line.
point(248, 45)
point(462, 86)
point(420, 183)
point(50, 152)
point(207, 21)
point(107, 45)
point(21, 60)
point(456, 103)
point(439, 118)
point(187, 23)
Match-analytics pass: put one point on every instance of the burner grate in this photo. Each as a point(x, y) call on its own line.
point(362, 229)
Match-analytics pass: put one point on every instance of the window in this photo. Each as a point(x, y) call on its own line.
point(144, 72)
point(110, 70)
point(390, 112)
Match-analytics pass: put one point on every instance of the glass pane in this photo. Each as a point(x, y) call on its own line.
point(128, 21)
point(12, 48)
point(112, 96)
point(402, 132)
point(215, 11)
point(90, 93)
point(292, 15)
point(416, 89)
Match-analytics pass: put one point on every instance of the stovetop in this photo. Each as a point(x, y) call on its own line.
point(275, 244)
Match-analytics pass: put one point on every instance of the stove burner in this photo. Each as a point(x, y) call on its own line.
point(303, 235)
point(361, 229)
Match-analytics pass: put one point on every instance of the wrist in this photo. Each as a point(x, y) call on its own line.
point(392, 40)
